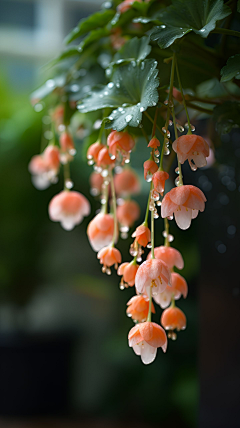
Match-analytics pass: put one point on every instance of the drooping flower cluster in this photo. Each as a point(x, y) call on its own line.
point(112, 140)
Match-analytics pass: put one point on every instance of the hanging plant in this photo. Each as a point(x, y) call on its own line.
point(141, 67)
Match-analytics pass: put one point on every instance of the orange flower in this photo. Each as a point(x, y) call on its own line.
point(138, 308)
point(67, 143)
point(173, 318)
point(120, 142)
point(192, 148)
point(128, 272)
point(184, 202)
point(142, 235)
point(145, 338)
point(103, 159)
point(128, 213)
point(109, 256)
point(152, 276)
point(179, 287)
point(93, 151)
point(159, 179)
point(69, 208)
point(150, 167)
point(169, 255)
point(126, 183)
point(96, 182)
point(154, 143)
point(100, 231)
point(44, 168)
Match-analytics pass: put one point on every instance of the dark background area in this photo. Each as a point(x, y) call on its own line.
point(64, 357)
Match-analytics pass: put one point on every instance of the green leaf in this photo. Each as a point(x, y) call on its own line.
point(49, 86)
point(231, 69)
point(97, 20)
point(227, 116)
point(184, 16)
point(134, 50)
point(92, 37)
point(132, 91)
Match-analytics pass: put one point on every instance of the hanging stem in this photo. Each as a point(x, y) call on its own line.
point(155, 123)
point(105, 196)
point(226, 31)
point(147, 209)
point(176, 136)
point(168, 110)
point(152, 120)
point(184, 101)
point(166, 224)
point(149, 318)
point(152, 235)
point(114, 205)
point(66, 174)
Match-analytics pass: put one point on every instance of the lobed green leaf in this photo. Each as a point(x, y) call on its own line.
point(231, 69)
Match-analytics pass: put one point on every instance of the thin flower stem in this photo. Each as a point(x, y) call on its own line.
point(155, 123)
point(168, 110)
point(173, 302)
point(166, 224)
point(226, 31)
point(152, 120)
point(66, 174)
point(147, 209)
point(176, 136)
point(184, 102)
point(114, 205)
point(152, 235)
point(149, 318)
point(105, 194)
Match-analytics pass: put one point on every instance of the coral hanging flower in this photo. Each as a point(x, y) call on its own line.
point(68, 207)
point(109, 256)
point(138, 308)
point(120, 142)
point(126, 183)
point(44, 168)
point(184, 202)
point(100, 231)
point(96, 182)
point(67, 143)
point(128, 213)
point(158, 180)
point(179, 287)
point(152, 275)
point(145, 338)
point(154, 143)
point(192, 148)
point(150, 167)
point(93, 151)
point(103, 158)
point(169, 255)
point(142, 235)
point(173, 319)
point(128, 272)
point(125, 5)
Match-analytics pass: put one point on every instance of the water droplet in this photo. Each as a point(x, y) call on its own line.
point(94, 192)
point(180, 128)
point(177, 170)
point(170, 238)
point(72, 152)
point(164, 234)
point(142, 109)
point(170, 217)
point(231, 230)
point(69, 184)
point(162, 26)
point(90, 162)
point(166, 102)
point(38, 107)
point(48, 135)
point(128, 118)
point(50, 83)
point(157, 153)
point(118, 85)
point(149, 177)
point(164, 129)
point(149, 245)
point(142, 65)
point(159, 203)
point(176, 181)
point(110, 84)
point(166, 151)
